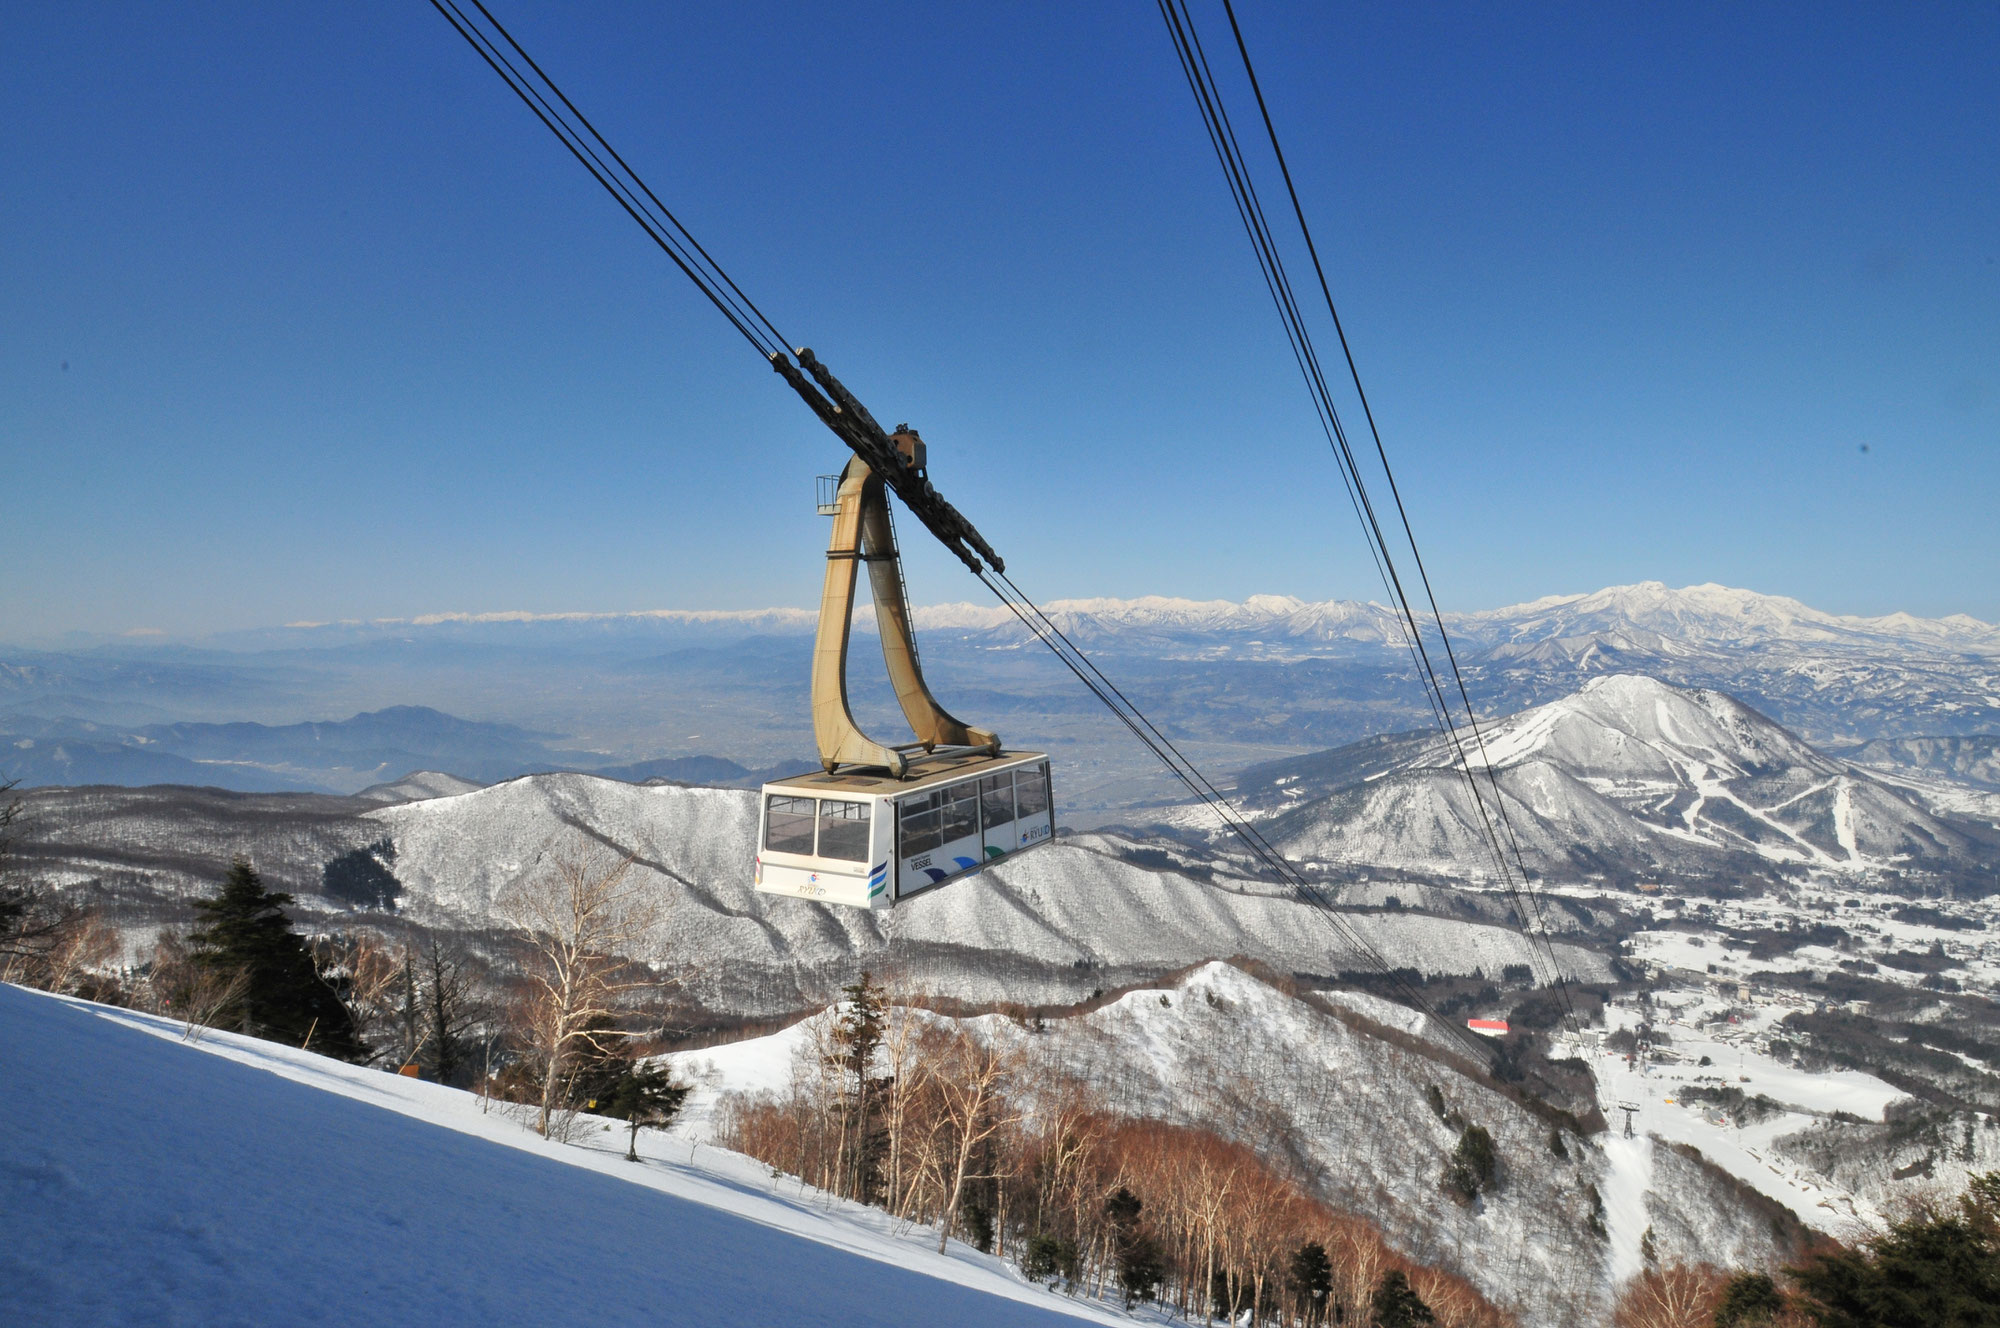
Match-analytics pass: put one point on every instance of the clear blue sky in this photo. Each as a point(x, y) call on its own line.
point(348, 335)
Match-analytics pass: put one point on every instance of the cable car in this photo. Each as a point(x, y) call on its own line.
point(875, 823)
point(869, 839)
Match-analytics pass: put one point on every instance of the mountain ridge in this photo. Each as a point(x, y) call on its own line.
point(1628, 776)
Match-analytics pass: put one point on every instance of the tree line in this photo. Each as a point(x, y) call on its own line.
point(991, 1139)
point(551, 1014)
point(1937, 1266)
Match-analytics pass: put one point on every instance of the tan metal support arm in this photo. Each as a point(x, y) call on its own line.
point(861, 533)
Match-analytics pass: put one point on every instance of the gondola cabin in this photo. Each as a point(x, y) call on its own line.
point(868, 839)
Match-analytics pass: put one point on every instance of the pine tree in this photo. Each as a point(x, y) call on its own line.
point(1472, 1164)
point(1936, 1268)
point(1750, 1299)
point(1310, 1272)
point(1396, 1303)
point(644, 1097)
point(245, 930)
point(856, 1036)
point(1140, 1268)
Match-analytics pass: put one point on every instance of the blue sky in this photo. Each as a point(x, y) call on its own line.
point(346, 334)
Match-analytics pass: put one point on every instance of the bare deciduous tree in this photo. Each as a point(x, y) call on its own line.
point(196, 994)
point(1084, 1194)
point(47, 939)
point(1676, 1296)
point(971, 1075)
point(588, 925)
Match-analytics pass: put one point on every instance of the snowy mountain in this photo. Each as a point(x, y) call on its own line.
point(1047, 927)
point(638, 692)
point(1649, 615)
point(1626, 778)
point(1720, 617)
point(1970, 760)
point(1050, 926)
point(1220, 1050)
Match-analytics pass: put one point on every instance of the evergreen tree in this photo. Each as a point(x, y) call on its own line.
point(1472, 1164)
point(245, 930)
point(1940, 1268)
point(1051, 1256)
point(856, 1036)
point(601, 1058)
point(1750, 1299)
point(1310, 1273)
point(1396, 1303)
point(1140, 1268)
point(644, 1097)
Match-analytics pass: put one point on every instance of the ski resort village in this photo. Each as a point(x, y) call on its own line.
point(530, 795)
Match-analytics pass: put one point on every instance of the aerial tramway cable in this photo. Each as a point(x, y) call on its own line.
point(1183, 769)
point(852, 423)
point(1194, 63)
point(619, 180)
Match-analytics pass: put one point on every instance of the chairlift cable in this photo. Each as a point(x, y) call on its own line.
point(1250, 210)
point(1402, 513)
point(683, 231)
point(1222, 135)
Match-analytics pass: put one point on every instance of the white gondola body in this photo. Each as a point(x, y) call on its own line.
point(868, 840)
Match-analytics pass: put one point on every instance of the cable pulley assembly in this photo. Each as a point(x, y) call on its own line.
point(850, 421)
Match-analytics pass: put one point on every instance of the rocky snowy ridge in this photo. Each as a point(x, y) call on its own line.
point(1047, 927)
point(1704, 618)
point(1627, 777)
point(1350, 1110)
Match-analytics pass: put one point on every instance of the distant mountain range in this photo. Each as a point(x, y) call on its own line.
point(1628, 780)
point(1704, 616)
point(1646, 616)
point(367, 753)
point(337, 707)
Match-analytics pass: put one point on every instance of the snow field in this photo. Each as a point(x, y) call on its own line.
point(1744, 1151)
point(146, 1181)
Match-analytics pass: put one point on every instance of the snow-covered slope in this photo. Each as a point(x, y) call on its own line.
point(149, 1182)
point(1329, 1097)
point(418, 785)
point(1628, 775)
point(1046, 927)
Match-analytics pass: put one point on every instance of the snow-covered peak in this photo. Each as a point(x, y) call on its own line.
point(1639, 727)
point(419, 786)
point(1718, 615)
